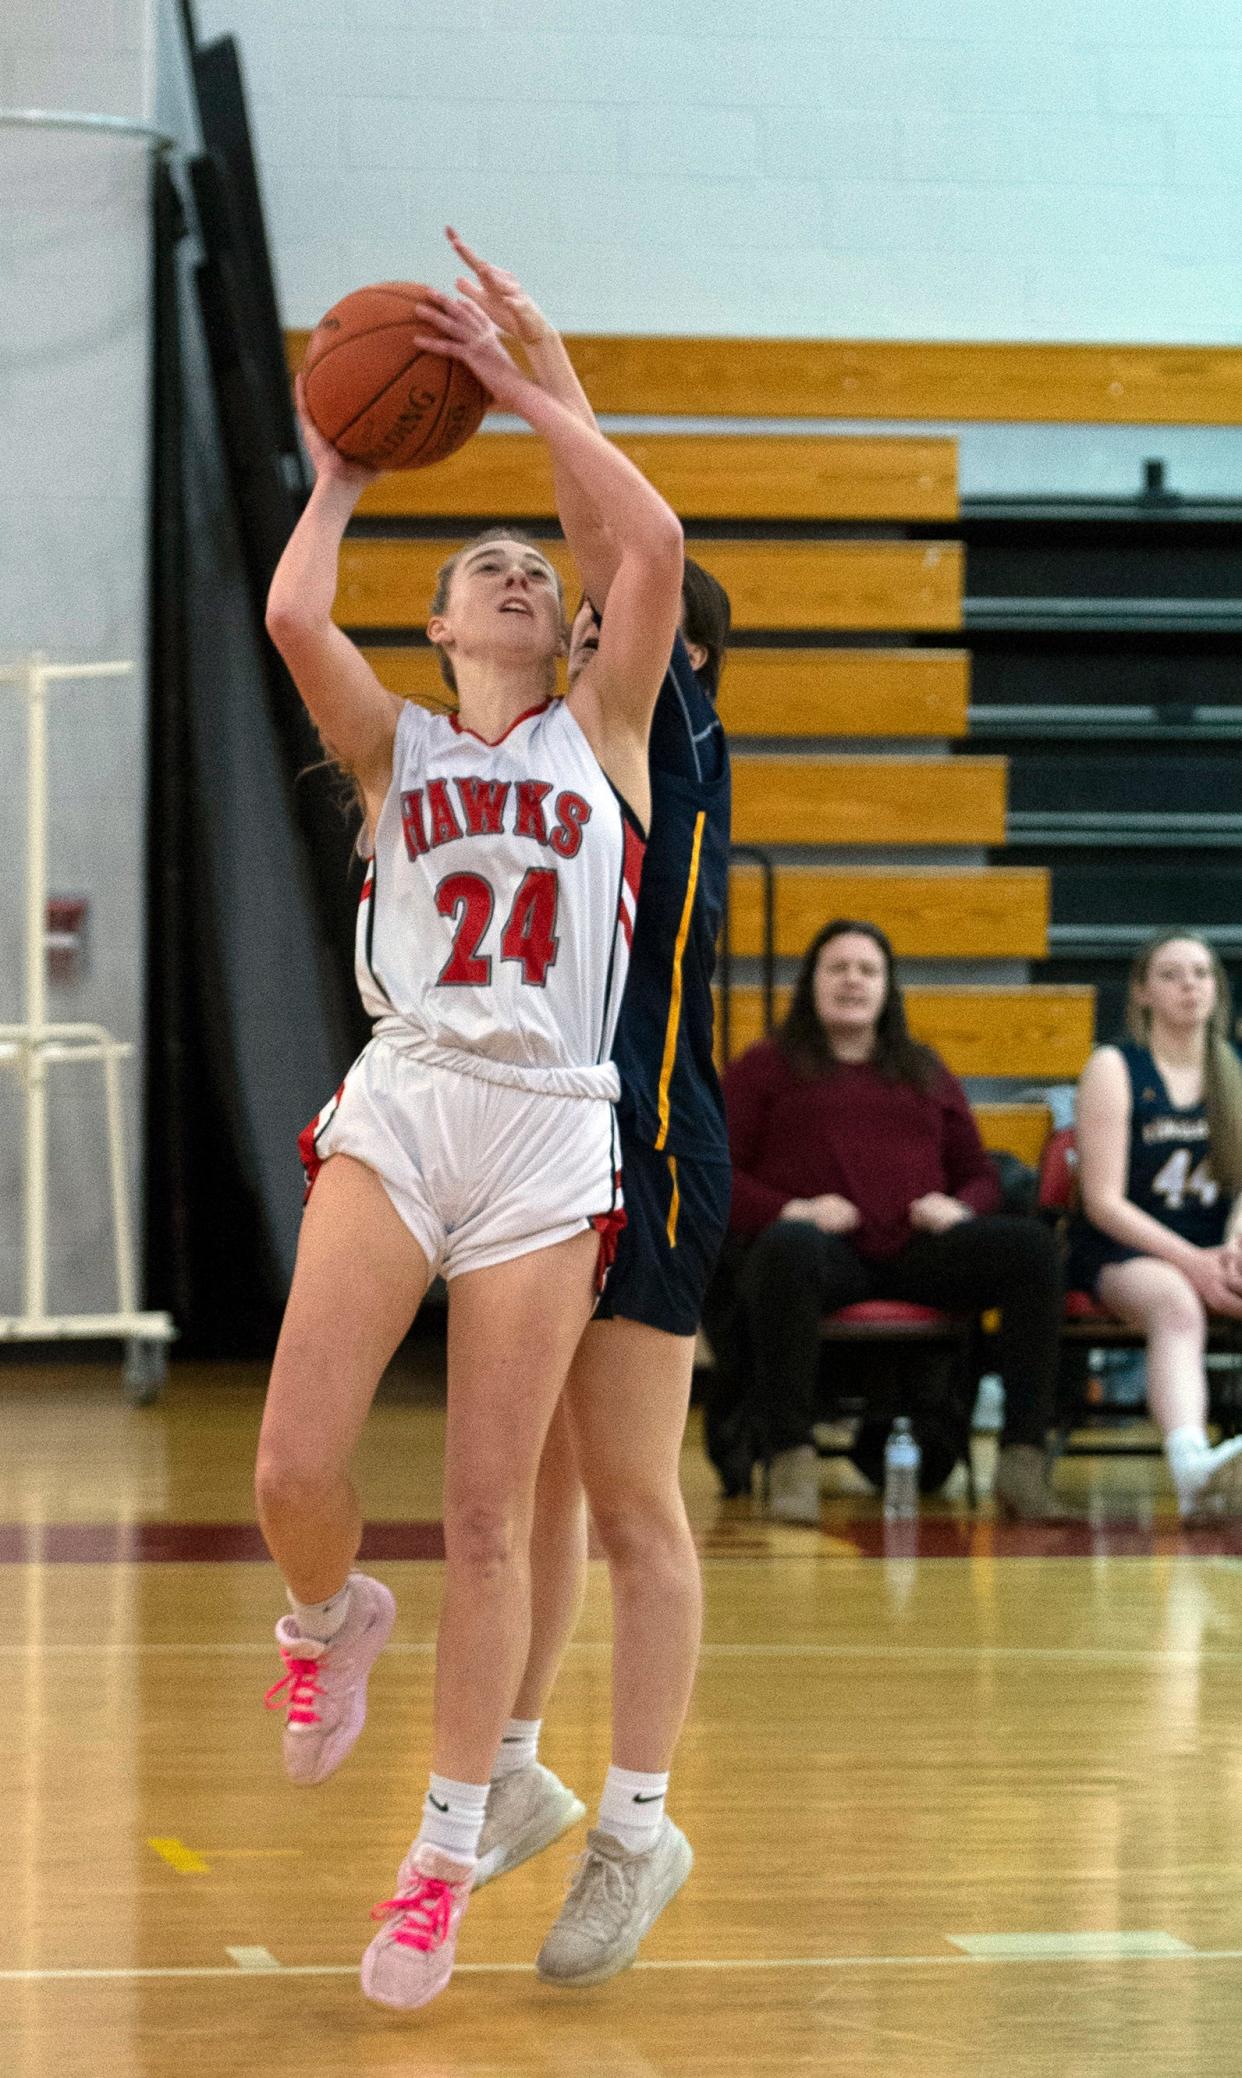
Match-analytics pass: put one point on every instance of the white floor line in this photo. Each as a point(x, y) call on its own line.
point(790, 1962)
point(253, 1958)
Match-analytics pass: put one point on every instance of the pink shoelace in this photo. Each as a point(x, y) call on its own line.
point(302, 1682)
point(425, 1914)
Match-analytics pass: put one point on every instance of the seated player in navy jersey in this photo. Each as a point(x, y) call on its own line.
point(1160, 1168)
point(619, 1429)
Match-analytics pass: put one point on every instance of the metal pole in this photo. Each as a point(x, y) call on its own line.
point(35, 1178)
point(126, 1301)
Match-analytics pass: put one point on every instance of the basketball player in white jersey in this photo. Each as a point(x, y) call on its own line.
point(475, 1134)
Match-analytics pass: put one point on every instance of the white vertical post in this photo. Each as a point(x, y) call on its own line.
point(35, 1181)
point(126, 1300)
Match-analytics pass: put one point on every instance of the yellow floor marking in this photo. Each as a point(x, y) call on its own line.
point(180, 1857)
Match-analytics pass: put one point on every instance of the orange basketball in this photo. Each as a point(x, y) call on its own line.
point(378, 396)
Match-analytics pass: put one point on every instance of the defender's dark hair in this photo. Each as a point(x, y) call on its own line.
point(804, 1041)
point(708, 619)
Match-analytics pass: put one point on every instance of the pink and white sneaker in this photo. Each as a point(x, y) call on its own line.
point(324, 1692)
point(411, 1958)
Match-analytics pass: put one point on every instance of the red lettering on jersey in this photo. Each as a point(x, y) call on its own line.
point(412, 823)
point(444, 823)
point(530, 797)
point(483, 805)
point(573, 813)
point(530, 934)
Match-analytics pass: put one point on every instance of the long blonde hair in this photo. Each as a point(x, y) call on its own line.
point(1222, 1071)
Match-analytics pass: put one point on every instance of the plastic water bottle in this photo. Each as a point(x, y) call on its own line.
point(902, 1459)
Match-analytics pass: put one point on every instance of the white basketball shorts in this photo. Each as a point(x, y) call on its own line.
point(479, 1171)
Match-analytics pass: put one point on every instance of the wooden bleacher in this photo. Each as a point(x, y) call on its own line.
point(1036, 1033)
point(895, 379)
point(937, 913)
point(722, 476)
point(872, 800)
point(785, 585)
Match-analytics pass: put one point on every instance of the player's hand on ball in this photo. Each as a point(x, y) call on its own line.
point(326, 462)
point(453, 326)
point(499, 295)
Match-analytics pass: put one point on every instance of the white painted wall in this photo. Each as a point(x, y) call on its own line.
point(73, 433)
point(940, 169)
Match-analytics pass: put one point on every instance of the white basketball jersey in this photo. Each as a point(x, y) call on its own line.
point(498, 908)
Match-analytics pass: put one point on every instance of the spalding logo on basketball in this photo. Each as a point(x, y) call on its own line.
point(378, 396)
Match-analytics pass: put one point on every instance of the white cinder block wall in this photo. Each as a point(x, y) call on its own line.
point(74, 411)
point(941, 169)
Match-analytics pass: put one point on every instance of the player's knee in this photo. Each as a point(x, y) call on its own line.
point(1162, 1300)
point(480, 1538)
point(642, 1530)
point(1176, 1305)
point(288, 1481)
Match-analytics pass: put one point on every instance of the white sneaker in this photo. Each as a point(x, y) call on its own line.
point(1210, 1482)
point(411, 1958)
point(324, 1692)
point(614, 1899)
point(526, 1812)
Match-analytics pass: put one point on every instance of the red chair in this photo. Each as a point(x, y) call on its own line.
point(899, 1324)
point(1058, 1195)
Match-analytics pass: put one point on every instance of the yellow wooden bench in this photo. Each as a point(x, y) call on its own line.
point(1041, 1033)
point(998, 912)
point(884, 800)
point(882, 585)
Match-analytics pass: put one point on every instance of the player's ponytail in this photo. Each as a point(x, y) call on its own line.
point(1222, 1070)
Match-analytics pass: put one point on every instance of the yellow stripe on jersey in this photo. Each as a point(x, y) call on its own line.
point(674, 1203)
point(674, 1000)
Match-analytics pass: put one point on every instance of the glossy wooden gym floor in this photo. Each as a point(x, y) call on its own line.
point(976, 1811)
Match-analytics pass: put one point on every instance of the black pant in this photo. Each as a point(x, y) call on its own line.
point(794, 1274)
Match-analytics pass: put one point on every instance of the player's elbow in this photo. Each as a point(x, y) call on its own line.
point(663, 553)
point(669, 538)
point(288, 624)
point(1100, 1205)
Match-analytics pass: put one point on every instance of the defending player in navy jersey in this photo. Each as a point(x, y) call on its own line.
point(1160, 1168)
point(623, 1413)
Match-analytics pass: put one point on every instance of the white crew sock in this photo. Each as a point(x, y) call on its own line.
point(519, 1747)
point(632, 1808)
point(321, 1620)
point(453, 1817)
point(1185, 1449)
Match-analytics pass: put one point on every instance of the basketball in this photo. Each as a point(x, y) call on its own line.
point(379, 397)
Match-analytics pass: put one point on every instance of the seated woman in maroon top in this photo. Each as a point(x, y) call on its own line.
point(858, 1173)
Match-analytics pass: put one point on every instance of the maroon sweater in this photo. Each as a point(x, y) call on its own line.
point(880, 1144)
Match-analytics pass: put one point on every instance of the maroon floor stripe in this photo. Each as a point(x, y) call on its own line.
point(931, 1537)
point(212, 1543)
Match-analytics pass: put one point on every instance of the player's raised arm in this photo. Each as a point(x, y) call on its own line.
point(354, 714)
point(500, 295)
point(614, 697)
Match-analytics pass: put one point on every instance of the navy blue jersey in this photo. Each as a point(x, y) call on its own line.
point(670, 1095)
point(1170, 1166)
